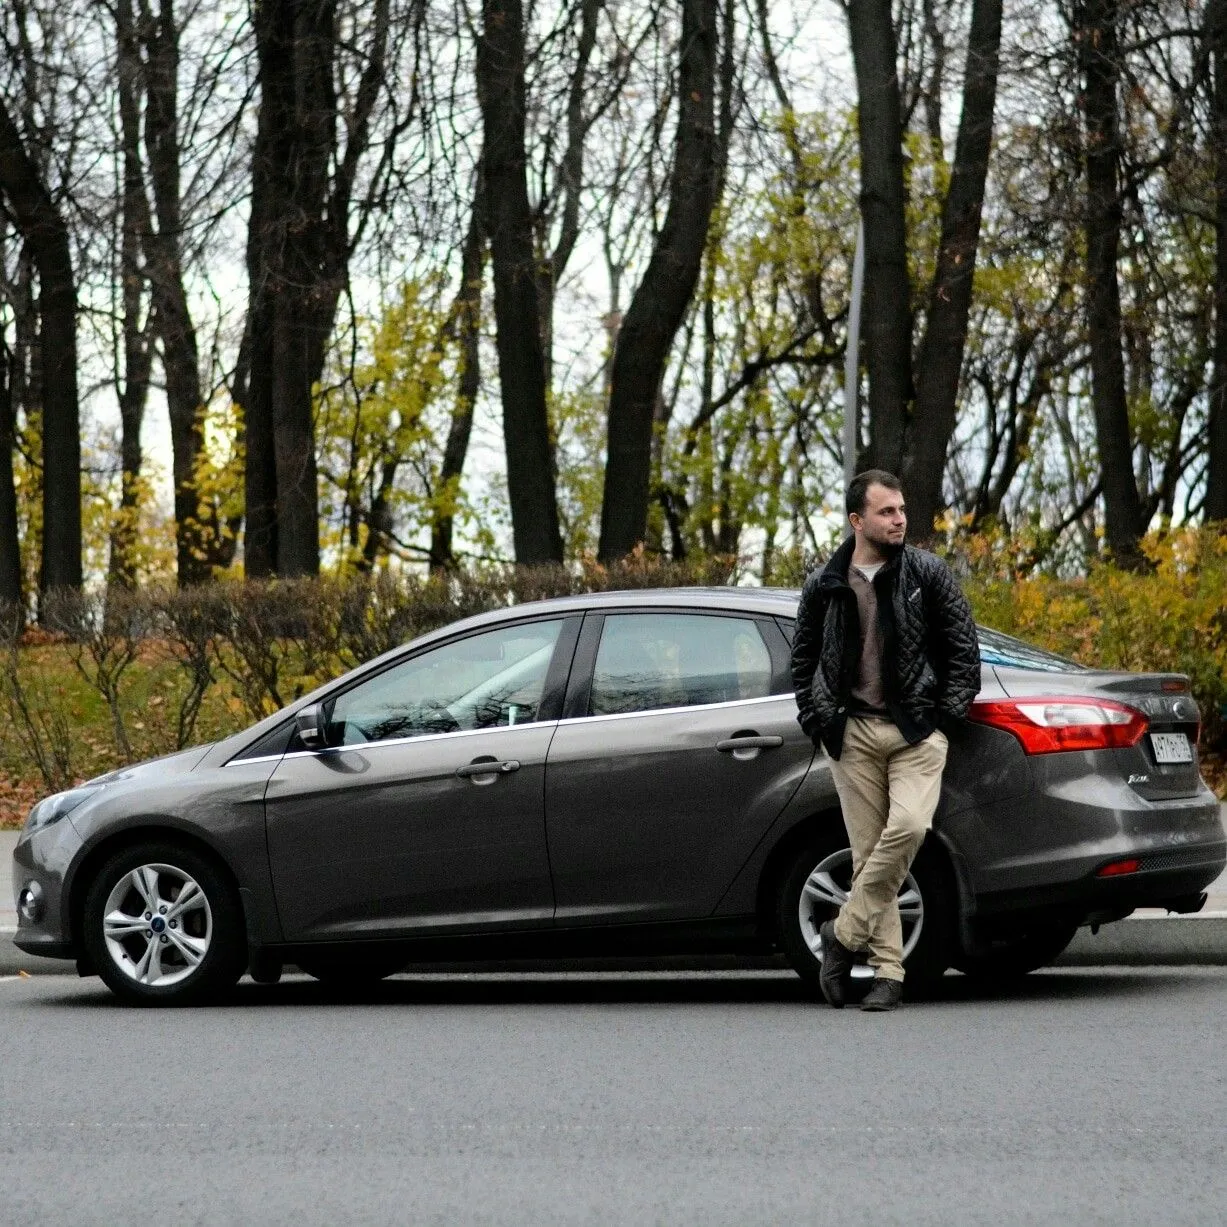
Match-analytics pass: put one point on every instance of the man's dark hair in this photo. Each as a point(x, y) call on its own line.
point(858, 488)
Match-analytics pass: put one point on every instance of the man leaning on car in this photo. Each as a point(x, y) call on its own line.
point(885, 650)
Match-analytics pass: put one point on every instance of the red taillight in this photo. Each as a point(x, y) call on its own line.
point(1116, 868)
point(1050, 725)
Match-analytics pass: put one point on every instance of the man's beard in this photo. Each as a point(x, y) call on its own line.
point(890, 550)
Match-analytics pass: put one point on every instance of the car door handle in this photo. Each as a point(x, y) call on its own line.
point(488, 766)
point(730, 745)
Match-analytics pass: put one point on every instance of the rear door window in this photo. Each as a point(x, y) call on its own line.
point(648, 661)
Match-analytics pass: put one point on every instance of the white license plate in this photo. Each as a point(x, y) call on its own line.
point(1171, 748)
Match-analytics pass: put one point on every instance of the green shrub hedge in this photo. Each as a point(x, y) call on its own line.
point(106, 679)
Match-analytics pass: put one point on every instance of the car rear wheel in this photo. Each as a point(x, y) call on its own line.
point(816, 885)
point(163, 926)
point(1008, 960)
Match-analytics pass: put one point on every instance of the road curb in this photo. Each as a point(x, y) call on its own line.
point(1152, 940)
point(1156, 941)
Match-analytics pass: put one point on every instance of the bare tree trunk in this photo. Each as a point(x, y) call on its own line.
point(887, 310)
point(287, 331)
point(1098, 57)
point(659, 304)
point(10, 543)
point(164, 255)
point(466, 314)
point(571, 173)
point(255, 394)
point(521, 357)
point(135, 222)
point(945, 339)
point(43, 229)
point(298, 251)
point(254, 383)
point(1216, 478)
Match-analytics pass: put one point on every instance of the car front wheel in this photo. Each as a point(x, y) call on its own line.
point(816, 885)
point(163, 926)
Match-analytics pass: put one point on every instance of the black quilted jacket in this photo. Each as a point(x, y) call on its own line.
point(930, 654)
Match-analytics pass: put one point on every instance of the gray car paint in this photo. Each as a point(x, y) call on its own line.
point(1019, 829)
point(387, 840)
point(677, 818)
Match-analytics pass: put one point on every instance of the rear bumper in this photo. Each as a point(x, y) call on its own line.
point(1045, 850)
point(1164, 879)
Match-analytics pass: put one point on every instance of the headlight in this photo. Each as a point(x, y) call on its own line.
point(52, 809)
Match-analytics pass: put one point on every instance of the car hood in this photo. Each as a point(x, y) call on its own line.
point(179, 763)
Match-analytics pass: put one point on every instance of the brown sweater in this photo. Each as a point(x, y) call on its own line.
point(867, 696)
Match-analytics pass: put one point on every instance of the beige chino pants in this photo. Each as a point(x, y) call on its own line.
point(888, 791)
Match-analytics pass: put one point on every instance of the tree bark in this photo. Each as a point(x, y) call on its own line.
point(176, 329)
point(466, 316)
point(1216, 477)
point(571, 175)
point(1098, 59)
point(10, 542)
point(135, 222)
point(659, 304)
point(254, 389)
point(886, 314)
point(521, 356)
point(44, 231)
point(298, 251)
point(291, 300)
point(945, 339)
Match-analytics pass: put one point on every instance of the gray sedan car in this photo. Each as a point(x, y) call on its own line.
point(615, 773)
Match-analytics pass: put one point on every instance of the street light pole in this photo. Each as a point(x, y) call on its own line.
point(852, 379)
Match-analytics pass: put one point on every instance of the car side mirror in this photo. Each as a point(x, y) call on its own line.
point(312, 726)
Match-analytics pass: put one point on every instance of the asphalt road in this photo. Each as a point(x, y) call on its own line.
point(1078, 1097)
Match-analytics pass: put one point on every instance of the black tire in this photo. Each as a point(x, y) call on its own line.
point(349, 968)
point(214, 926)
point(927, 959)
point(1015, 958)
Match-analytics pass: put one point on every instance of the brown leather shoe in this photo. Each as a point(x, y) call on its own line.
point(884, 995)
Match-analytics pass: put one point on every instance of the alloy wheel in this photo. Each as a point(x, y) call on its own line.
point(157, 925)
point(826, 890)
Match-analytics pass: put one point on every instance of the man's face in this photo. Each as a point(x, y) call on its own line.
point(884, 520)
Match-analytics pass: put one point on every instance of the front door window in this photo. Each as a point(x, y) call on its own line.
point(489, 680)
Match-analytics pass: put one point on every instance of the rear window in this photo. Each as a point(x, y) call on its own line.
point(999, 649)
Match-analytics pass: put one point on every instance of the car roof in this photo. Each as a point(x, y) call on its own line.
point(750, 600)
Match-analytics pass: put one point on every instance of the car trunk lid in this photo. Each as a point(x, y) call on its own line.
point(1163, 764)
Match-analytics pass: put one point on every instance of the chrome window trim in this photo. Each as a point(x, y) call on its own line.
point(258, 758)
point(238, 761)
point(392, 741)
point(512, 728)
point(661, 711)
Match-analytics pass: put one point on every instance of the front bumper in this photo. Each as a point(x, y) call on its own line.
point(44, 857)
